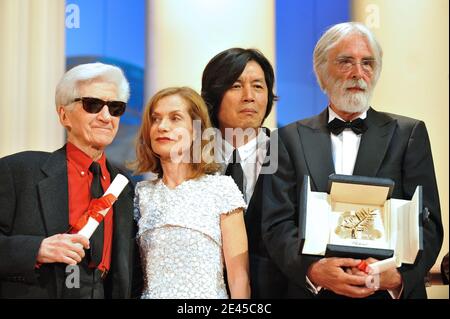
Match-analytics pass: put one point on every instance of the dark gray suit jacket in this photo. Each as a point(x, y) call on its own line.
point(266, 279)
point(33, 206)
point(394, 147)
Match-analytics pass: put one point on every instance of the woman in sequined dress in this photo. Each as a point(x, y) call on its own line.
point(190, 218)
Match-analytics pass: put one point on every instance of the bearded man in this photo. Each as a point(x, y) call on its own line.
point(348, 137)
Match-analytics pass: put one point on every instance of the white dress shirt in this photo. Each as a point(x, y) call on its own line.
point(344, 147)
point(252, 157)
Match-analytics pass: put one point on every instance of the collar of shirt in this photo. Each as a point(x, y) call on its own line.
point(81, 161)
point(252, 152)
point(332, 114)
point(261, 148)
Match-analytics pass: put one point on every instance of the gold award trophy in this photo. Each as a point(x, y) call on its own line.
point(358, 225)
point(361, 227)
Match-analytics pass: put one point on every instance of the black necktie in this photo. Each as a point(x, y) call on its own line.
point(234, 169)
point(336, 126)
point(96, 241)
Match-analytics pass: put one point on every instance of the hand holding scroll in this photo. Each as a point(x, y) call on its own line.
point(389, 276)
point(69, 248)
point(62, 248)
point(329, 273)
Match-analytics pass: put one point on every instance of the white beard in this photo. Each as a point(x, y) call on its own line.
point(346, 101)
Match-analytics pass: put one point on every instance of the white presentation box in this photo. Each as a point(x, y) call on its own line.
point(357, 218)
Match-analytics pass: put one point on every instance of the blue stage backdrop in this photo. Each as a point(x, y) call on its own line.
point(299, 24)
point(113, 31)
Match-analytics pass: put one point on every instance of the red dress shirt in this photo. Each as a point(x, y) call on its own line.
point(80, 179)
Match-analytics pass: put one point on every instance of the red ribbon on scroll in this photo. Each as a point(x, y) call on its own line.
point(95, 207)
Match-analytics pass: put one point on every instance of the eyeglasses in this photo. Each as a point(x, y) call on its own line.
point(346, 64)
point(94, 105)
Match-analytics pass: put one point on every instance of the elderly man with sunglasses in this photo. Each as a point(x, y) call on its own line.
point(44, 195)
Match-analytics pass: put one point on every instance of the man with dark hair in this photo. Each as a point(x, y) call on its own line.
point(237, 86)
point(349, 137)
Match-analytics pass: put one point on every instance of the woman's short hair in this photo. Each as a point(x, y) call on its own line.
point(224, 69)
point(332, 37)
point(147, 160)
point(68, 86)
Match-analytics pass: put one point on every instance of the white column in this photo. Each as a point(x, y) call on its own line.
point(415, 77)
point(184, 35)
point(32, 60)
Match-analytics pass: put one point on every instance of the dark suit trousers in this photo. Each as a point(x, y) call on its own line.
point(91, 285)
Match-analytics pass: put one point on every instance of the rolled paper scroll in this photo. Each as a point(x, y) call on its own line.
point(379, 266)
point(115, 189)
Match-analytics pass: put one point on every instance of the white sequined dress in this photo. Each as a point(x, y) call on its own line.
point(180, 238)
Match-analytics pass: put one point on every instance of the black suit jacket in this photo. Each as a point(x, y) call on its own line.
point(394, 146)
point(33, 206)
point(266, 279)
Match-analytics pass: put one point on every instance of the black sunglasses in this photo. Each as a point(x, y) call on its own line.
point(94, 105)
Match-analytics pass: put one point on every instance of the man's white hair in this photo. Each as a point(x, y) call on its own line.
point(332, 37)
point(68, 86)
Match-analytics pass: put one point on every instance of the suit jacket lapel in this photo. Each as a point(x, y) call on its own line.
point(255, 200)
point(258, 184)
point(374, 143)
point(316, 144)
point(119, 235)
point(122, 228)
point(122, 211)
point(53, 193)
